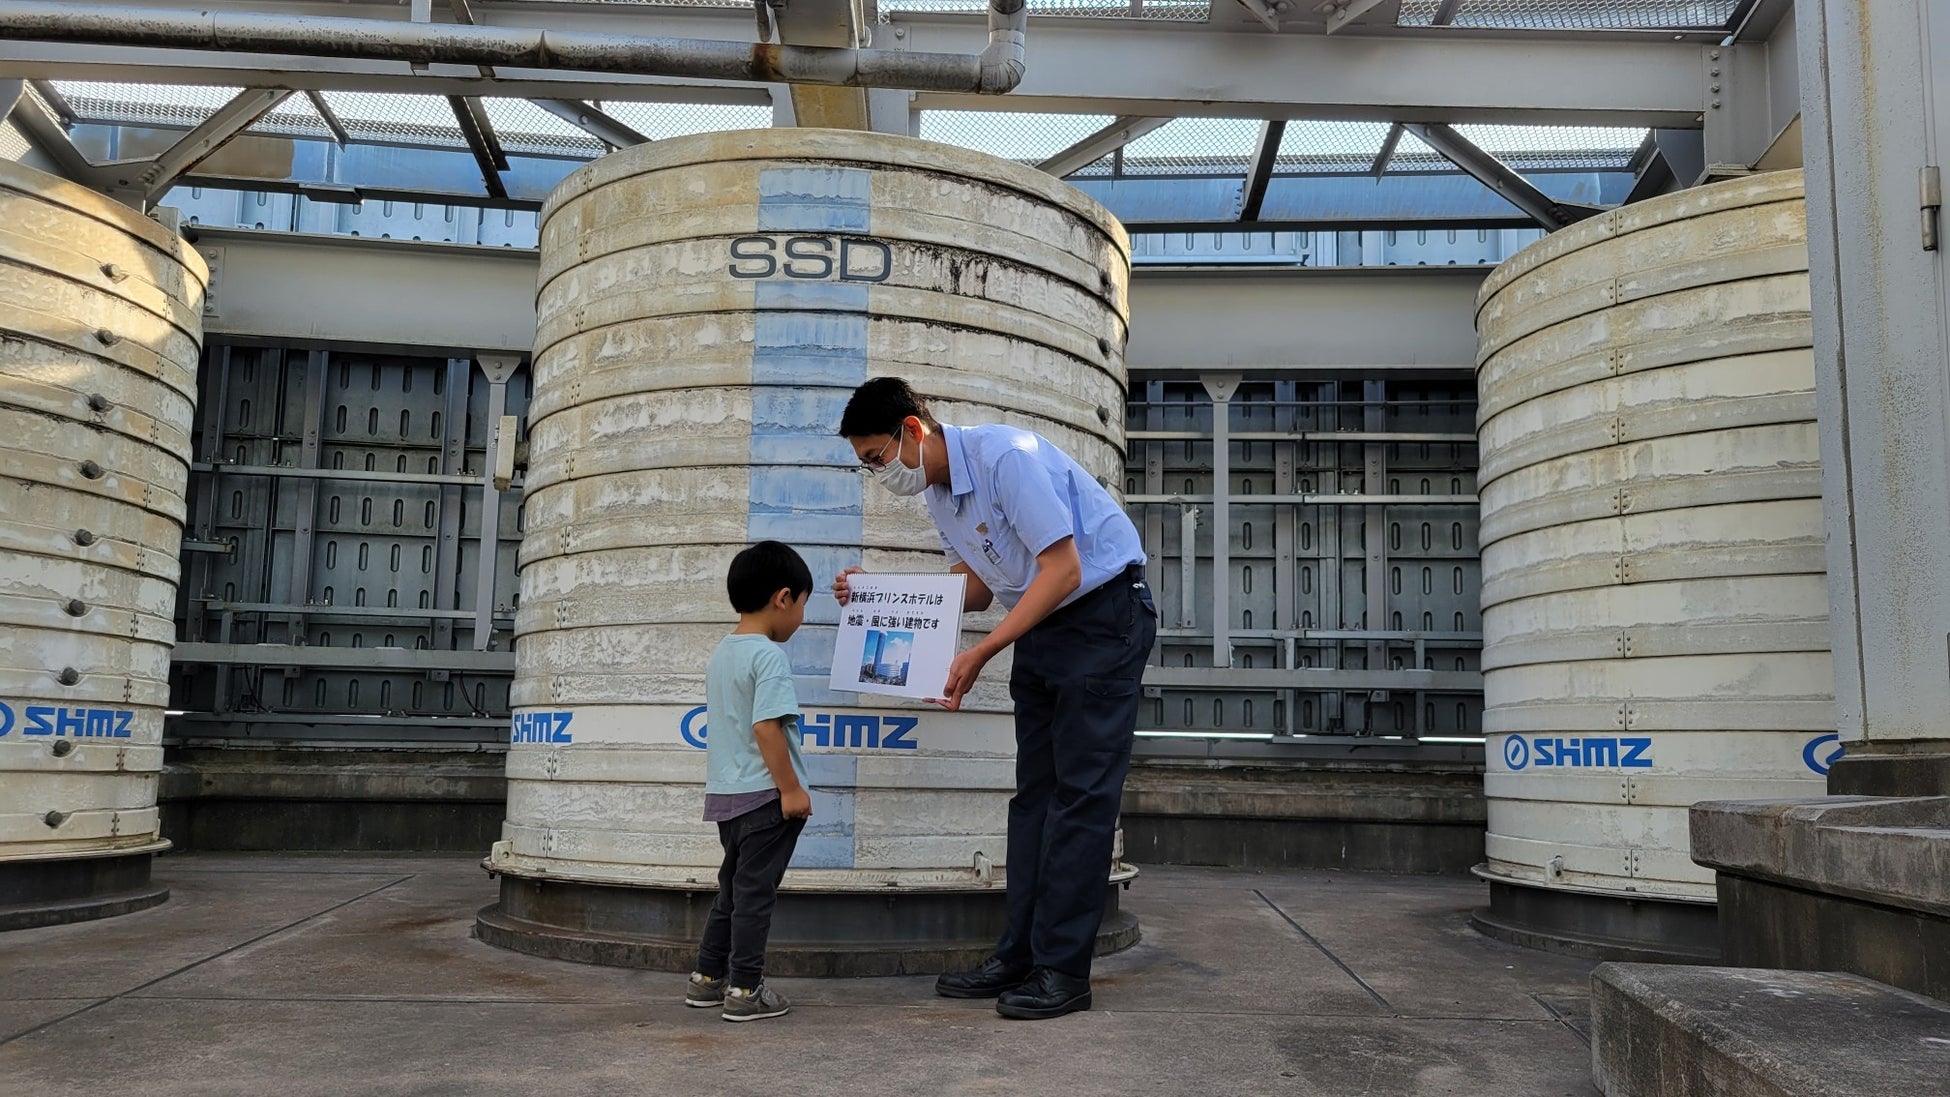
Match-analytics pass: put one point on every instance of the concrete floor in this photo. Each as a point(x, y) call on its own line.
point(279, 974)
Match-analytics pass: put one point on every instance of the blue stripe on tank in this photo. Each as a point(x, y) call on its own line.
point(809, 352)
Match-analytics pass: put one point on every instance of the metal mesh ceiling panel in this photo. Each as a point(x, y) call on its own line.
point(1343, 147)
point(1576, 14)
point(1185, 11)
point(295, 117)
point(396, 119)
point(1330, 147)
point(660, 120)
point(1563, 148)
point(1028, 138)
point(143, 104)
point(523, 127)
point(1194, 146)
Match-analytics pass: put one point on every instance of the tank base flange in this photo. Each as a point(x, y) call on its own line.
point(1600, 927)
point(842, 934)
point(52, 893)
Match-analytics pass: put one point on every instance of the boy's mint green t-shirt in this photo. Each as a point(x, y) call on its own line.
point(748, 679)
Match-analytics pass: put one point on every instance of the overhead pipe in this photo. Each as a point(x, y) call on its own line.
point(994, 71)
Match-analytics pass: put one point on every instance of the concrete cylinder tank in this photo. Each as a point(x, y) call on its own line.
point(706, 306)
point(100, 329)
point(1654, 599)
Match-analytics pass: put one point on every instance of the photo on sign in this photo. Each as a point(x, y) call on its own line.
point(886, 657)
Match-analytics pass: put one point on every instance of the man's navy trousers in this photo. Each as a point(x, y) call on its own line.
point(1075, 686)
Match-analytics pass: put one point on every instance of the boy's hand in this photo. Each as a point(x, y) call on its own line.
point(796, 804)
point(843, 590)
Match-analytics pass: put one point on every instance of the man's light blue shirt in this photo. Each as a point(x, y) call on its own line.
point(1010, 495)
point(748, 680)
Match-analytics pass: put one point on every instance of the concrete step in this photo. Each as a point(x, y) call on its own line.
point(1660, 1031)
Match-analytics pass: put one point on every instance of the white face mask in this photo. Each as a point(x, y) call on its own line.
point(897, 477)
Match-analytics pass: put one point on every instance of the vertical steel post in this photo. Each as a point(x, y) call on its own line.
point(499, 368)
point(1221, 386)
point(453, 455)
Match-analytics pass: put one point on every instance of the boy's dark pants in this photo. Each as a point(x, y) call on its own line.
point(757, 846)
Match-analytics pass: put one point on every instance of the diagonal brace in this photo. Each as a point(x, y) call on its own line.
point(1095, 147)
point(202, 142)
point(1498, 176)
point(1260, 174)
point(481, 141)
point(594, 121)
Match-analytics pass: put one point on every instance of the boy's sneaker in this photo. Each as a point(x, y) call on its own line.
point(704, 992)
point(753, 1005)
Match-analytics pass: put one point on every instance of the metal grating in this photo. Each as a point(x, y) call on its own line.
point(1330, 147)
point(660, 120)
point(1558, 148)
point(1182, 11)
point(1028, 138)
point(1577, 14)
point(1346, 147)
point(1193, 146)
point(393, 119)
point(143, 104)
point(524, 128)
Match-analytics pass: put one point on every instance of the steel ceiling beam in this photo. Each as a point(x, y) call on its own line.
point(1498, 176)
point(1080, 66)
point(1446, 14)
point(590, 120)
point(1266, 154)
point(1098, 145)
point(344, 290)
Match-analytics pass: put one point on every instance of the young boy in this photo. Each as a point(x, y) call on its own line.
point(755, 782)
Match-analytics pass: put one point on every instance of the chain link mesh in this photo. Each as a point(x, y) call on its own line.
point(1026, 138)
point(660, 120)
point(143, 104)
point(1342, 147)
point(1194, 146)
point(1182, 11)
point(1576, 14)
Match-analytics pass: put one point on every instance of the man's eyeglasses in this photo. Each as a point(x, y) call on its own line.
point(879, 460)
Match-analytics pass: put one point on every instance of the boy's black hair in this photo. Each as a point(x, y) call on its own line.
point(764, 569)
point(880, 406)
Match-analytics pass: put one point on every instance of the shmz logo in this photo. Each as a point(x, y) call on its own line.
point(1591, 751)
point(1822, 752)
point(826, 729)
point(1516, 752)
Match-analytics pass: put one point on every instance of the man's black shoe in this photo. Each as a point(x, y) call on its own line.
point(1046, 993)
point(987, 981)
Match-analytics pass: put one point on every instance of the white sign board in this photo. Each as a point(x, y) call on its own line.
point(898, 634)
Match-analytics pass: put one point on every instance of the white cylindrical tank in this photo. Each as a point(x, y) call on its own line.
point(1654, 603)
point(100, 330)
point(706, 306)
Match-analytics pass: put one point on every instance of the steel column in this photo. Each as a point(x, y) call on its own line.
point(453, 457)
point(498, 367)
point(1221, 386)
